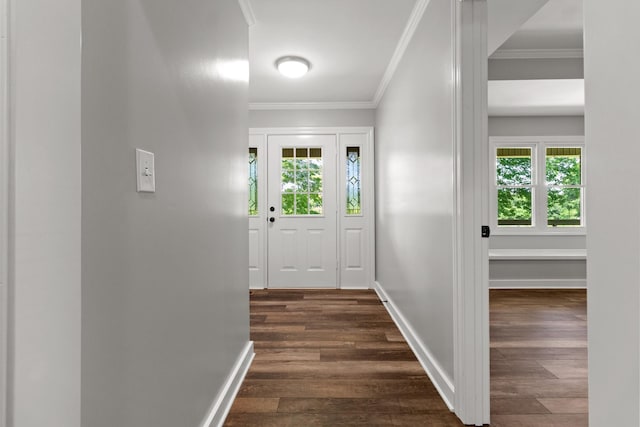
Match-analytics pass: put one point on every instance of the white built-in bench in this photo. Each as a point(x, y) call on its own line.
point(537, 268)
point(537, 254)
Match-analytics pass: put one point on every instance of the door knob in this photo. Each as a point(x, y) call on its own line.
point(272, 209)
point(272, 219)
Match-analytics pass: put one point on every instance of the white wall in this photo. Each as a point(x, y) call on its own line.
point(536, 126)
point(613, 268)
point(44, 365)
point(310, 118)
point(414, 184)
point(165, 303)
point(532, 69)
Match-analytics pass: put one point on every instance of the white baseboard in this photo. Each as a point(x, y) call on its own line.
point(436, 374)
point(355, 288)
point(257, 288)
point(538, 284)
point(222, 404)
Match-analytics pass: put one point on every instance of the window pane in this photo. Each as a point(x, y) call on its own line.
point(514, 206)
point(315, 204)
point(301, 181)
point(253, 181)
point(563, 207)
point(288, 181)
point(302, 204)
point(315, 181)
point(288, 204)
point(564, 166)
point(513, 166)
point(353, 181)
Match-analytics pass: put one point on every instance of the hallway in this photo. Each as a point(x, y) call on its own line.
point(332, 357)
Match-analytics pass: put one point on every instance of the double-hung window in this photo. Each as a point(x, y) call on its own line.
point(538, 185)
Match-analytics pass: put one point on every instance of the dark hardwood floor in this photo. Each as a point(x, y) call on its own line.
point(332, 358)
point(538, 358)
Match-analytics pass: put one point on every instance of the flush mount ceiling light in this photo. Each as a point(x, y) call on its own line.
point(292, 67)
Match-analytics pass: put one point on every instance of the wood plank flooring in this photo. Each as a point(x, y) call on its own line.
point(538, 358)
point(332, 358)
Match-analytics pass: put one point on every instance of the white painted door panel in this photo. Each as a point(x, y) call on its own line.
point(302, 229)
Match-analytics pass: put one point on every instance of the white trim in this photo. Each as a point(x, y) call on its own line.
point(538, 284)
point(5, 123)
point(434, 371)
point(538, 54)
point(471, 183)
point(223, 401)
point(347, 105)
point(247, 11)
point(401, 47)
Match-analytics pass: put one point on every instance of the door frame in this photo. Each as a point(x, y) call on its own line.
point(5, 165)
point(471, 261)
point(368, 192)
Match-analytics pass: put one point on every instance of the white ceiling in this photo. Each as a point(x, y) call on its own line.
point(558, 25)
point(536, 97)
point(348, 42)
point(352, 44)
point(506, 17)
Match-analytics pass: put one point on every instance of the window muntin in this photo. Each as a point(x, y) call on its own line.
point(354, 180)
point(253, 181)
point(514, 183)
point(301, 181)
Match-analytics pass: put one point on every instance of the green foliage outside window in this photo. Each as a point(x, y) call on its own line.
point(564, 177)
point(563, 181)
point(301, 181)
point(514, 178)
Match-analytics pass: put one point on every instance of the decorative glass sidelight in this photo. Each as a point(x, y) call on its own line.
point(301, 179)
point(253, 181)
point(354, 180)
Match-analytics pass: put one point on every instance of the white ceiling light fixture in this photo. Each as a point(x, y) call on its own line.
point(293, 67)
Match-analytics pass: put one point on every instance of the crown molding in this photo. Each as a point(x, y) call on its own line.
point(403, 43)
point(358, 105)
point(247, 11)
point(538, 54)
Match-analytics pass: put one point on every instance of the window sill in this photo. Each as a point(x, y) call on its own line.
point(538, 233)
point(537, 254)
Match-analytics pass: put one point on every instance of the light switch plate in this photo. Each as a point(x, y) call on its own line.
point(145, 171)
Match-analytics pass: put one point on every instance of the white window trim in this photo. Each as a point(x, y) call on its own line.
point(539, 194)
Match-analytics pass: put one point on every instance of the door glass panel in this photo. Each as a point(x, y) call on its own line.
point(353, 181)
point(301, 181)
point(253, 181)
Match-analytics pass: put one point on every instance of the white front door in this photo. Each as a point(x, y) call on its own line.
point(302, 230)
